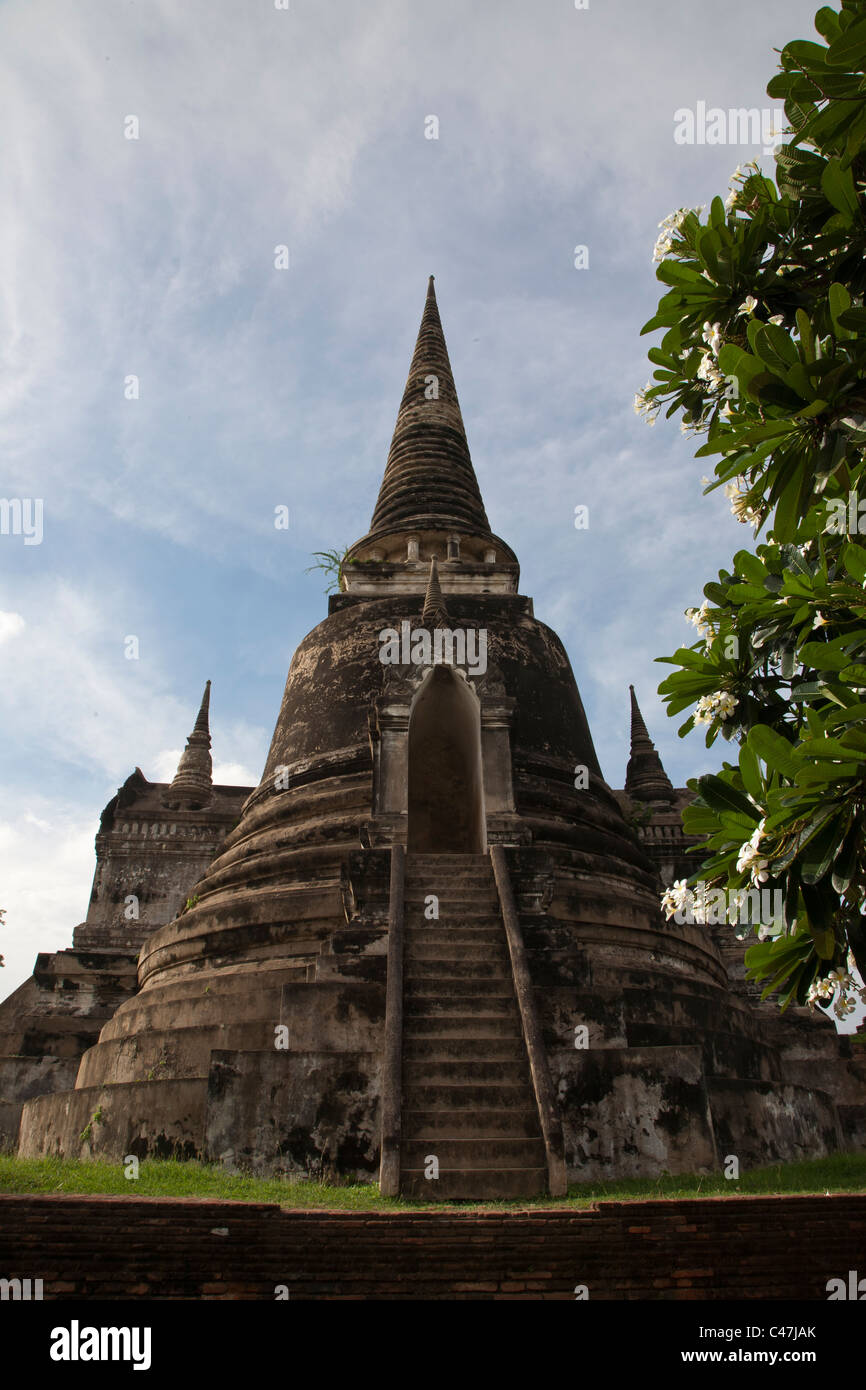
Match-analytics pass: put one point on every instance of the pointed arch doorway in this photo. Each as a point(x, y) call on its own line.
point(445, 787)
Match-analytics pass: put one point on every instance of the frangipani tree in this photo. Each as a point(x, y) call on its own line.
point(764, 356)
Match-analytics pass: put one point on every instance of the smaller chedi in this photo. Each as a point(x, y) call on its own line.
point(427, 948)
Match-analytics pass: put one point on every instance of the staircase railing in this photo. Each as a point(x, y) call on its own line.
point(392, 1075)
point(542, 1084)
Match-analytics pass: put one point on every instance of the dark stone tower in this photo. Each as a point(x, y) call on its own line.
point(432, 947)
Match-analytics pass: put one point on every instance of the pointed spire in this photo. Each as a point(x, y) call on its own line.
point(193, 780)
point(645, 778)
point(429, 481)
point(434, 612)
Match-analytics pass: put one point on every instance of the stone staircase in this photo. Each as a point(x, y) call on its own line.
point(467, 1095)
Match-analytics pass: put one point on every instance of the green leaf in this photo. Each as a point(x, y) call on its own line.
point(772, 749)
point(822, 851)
point(838, 187)
point(750, 771)
point(839, 300)
point(788, 507)
point(854, 560)
point(849, 51)
point(721, 796)
point(824, 658)
point(827, 24)
point(750, 567)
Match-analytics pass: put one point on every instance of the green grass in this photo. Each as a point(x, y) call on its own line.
point(163, 1178)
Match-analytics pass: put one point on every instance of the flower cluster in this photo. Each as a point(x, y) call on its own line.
point(677, 897)
point(736, 181)
point(719, 705)
point(841, 982)
point(741, 507)
point(644, 407)
point(696, 903)
point(709, 372)
point(750, 860)
point(668, 230)
point(700, 618)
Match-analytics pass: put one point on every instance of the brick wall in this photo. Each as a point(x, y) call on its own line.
point(139, 1247)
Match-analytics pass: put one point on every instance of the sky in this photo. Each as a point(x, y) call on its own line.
point(165, 384)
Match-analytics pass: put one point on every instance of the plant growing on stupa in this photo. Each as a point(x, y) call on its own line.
point(764, 356)
point(331, 563)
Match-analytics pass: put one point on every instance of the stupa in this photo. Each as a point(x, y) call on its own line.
point(430, 952)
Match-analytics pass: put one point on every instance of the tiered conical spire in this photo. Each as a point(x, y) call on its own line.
point(429, 481)
point(645, 778)
point(193, 780)
point(434, 612)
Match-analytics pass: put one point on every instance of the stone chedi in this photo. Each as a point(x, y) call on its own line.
point(154, 842)
point(431, 951)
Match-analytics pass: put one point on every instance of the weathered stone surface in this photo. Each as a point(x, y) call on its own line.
point(314, 1113)
point(636, 1112)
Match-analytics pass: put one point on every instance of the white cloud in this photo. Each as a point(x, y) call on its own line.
point(46, 883)
point(11, 624)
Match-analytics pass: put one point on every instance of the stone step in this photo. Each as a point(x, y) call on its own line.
point(475, 909)
point(475, 1153)
point(458, 934)
point(451, 885)
point(446, 968)
point(431, 1071)
point(456, 1026)
point(472, 1097)
point(464, 1006)
point(470, 1124)
point(499, 1047)
point(451, 989)
point(447, 891)
point(471, 1184)
point(427, 948)
point(448, 858)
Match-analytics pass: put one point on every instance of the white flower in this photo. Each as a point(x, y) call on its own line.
point(709, 372)
point(741, 508)
point(841, 978)
point(676, 897)
point(749, 305)
point(700, 618)
point(749, 860)
point(700, 902)
point(668, 228)
point(712, 336)
point(719, 705)
point(820, 620)
point(777, 318)
point(648, 408)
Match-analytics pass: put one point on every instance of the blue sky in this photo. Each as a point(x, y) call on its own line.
point(258, 387)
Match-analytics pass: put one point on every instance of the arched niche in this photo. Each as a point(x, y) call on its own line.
point(445, 793)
